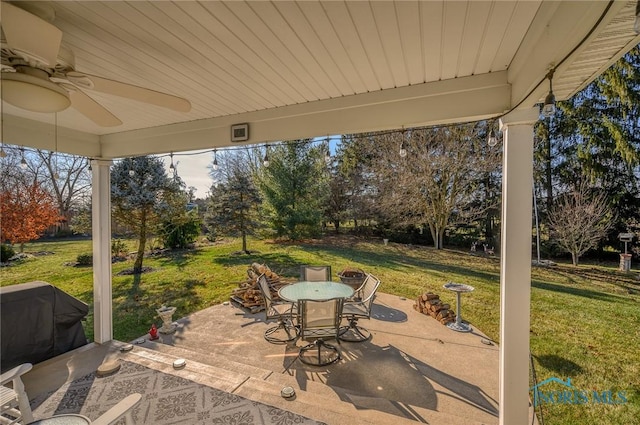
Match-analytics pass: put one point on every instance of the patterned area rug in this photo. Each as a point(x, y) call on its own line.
point(166, 399)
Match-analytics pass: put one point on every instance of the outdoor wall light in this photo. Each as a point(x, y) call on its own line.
point(549, 108)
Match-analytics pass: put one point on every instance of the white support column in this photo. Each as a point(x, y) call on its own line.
point(101, 235)
point(515, 265)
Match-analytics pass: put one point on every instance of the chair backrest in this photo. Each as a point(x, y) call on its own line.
point(263, 284)
point(315, 273)
point(368, 291)
point(320, 318)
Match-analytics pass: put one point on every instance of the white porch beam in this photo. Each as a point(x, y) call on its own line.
point(101, 236)
point(41, 135)
point(455, 100)
point(515, 265)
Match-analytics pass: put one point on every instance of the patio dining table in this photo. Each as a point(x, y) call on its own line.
point(316, 291)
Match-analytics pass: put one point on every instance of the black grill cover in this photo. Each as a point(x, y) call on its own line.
point(39, 321)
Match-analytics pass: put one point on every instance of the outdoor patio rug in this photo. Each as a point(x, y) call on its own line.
point(166, 399)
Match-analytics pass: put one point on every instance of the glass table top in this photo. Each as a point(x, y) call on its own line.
point(315, 291)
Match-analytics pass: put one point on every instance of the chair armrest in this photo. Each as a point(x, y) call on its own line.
point(14, 373)
point(124, 407)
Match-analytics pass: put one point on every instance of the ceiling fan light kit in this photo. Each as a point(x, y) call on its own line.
point(33, 93)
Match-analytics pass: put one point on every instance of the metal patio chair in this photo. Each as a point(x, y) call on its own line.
point(359, 308)
point(282, 311)
point(315, 273)
point(320, 320)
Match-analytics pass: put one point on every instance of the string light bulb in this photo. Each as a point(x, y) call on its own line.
point(549, 108)
point(89, 162)
point(214, 166)
point(492, 140)
point(403, 145)
point(23, 162)
point(132, 173)
point(265, 161)
point(171, 166)
point(327, 153)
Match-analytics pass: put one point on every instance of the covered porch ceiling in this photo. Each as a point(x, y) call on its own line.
point(313, 68)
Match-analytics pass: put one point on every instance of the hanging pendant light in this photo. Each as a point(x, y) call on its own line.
point(265, 161)
point(171, 166)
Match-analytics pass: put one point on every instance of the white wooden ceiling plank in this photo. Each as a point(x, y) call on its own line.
point(386, 19)
point(319, 21)
point(369, 36)
point(432, 31)
point(285, 40)
point(411, 39)
point(176, 33)
point(205, 41)
point(474, 33)
point(496, 26)
point(345, 29)
point(301, 24)
point(93, 30)
point(237, 35)
point(517, 27)
point(454, 19)
point(272, 50)
point(309, 49)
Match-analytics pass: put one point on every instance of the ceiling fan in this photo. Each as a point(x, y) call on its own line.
point(38, 73)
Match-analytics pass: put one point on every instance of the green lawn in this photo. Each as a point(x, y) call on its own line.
point(585, 321)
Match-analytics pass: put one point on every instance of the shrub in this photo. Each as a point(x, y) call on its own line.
point(182, 233)
point(85, 260)
point(6, 252)
point(118, 247)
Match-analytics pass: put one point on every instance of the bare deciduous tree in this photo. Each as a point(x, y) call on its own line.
point(438, 181)
point(579, 220)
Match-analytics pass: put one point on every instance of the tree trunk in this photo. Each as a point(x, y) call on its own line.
point(21, 247)
point(142, 241)
point(336, 223)
point(244, 242)
point(574, 258)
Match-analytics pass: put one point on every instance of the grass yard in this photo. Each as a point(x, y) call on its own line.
point(585, 321)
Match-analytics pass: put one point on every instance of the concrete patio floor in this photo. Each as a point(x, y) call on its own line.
point(413, 369)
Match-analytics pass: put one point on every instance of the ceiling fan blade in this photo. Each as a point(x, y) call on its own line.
point(30, 35)
point(92, 109)
point(129, 91)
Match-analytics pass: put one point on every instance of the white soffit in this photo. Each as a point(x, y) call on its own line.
point(310, 68)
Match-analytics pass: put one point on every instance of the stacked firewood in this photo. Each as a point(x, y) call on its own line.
point(430, 303)
point(248, 293)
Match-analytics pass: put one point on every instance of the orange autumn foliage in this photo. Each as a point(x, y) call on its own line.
point(26, 211)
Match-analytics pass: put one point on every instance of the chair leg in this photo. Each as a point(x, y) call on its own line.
point(290, 331)
point(332, 353)
point(353, 332)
